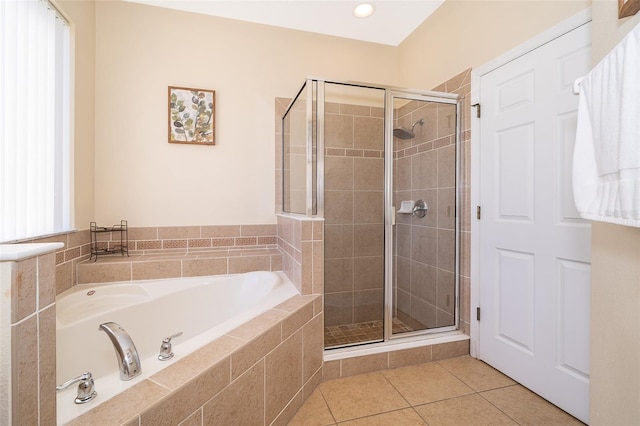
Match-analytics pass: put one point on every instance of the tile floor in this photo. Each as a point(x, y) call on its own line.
point(344, 335)
point(456, 391)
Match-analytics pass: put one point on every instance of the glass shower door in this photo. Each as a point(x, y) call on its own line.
point(354, 183)
point(424, 263)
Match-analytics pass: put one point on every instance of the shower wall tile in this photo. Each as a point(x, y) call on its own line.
point(355, 110)
point(446, 208)
point(331, 108)
point(446, 250)
point(338, 308)
point(446, 293)
point(429, 196)
point(404, 241)
point(403, 174)
point(424, 246)
point(339, 207)
point(368, 133)
point(377, 112)
point(368, 207)
point(446, 120)
point(446, 167)
point(338, 131)
point(338, 173)
point(368, 240)
point(368, 273)
point(338, 275)
point(424, 170)
point(403, 273)
point(338, 241)
point(423, 282)
point(368, 174)
point(368, 305)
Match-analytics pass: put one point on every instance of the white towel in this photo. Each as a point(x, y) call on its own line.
point(606, 161)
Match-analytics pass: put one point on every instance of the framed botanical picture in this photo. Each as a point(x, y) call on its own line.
point(191, 116)
point(628, 8)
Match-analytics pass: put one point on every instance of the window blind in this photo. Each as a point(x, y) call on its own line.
point(34, 120)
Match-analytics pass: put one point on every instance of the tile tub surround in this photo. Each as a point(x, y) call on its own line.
point(201, 262)
point(157, 240)
point(300, 240)
point(258, 374)
point(28, 322)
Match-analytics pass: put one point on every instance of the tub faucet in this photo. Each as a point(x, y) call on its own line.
point(128, 358)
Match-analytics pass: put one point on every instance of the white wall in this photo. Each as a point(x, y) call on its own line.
point(140, 50)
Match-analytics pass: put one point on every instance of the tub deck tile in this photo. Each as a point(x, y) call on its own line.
point(183, 401)
point(124, 406)
point(206, 357)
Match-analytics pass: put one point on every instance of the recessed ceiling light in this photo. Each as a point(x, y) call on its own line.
point(363, 10)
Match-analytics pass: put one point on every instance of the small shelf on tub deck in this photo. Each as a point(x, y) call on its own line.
point(112, 245)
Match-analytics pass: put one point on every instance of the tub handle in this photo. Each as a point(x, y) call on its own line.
point(165, 348)
point(86, 387)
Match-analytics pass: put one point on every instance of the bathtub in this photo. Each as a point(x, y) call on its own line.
point(202, 308)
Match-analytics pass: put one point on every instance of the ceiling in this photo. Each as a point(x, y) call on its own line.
point(391, 22)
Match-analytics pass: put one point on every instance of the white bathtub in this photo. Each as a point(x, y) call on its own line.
point(203, 308)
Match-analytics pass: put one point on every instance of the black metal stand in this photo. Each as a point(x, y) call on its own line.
point(122, 247)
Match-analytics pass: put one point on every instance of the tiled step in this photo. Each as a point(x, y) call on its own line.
point(178, 264)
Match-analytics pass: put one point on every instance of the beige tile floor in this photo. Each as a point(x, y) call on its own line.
point(456, 391)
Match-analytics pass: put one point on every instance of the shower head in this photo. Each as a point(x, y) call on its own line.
point(402, 133)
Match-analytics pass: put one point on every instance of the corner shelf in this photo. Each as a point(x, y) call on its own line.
point(122, 248)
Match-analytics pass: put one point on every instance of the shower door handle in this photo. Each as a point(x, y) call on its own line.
point(419, 209)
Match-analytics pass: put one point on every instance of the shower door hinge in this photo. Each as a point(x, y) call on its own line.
point(477, 109)
point(478, 313)
point(478, 212)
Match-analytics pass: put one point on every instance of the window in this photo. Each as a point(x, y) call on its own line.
point(34, 120)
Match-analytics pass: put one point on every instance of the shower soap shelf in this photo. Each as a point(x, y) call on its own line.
point(406, 207)
point(117, 243)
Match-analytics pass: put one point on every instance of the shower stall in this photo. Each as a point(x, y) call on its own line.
point(381, 166)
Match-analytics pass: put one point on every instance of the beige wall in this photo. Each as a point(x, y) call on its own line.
point(140, 50)
point(127, 55)
point(82, 17)
point(465, 34)
point(615, 282)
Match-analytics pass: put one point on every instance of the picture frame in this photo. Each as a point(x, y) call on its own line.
point(628, 8)
point(191, 116)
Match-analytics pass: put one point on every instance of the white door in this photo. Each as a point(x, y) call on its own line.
point(534, 251)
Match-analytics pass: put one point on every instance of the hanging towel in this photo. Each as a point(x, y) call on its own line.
point(606, 160)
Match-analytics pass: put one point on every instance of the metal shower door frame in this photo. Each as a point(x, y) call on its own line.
point(315, 91)
point(389, 216)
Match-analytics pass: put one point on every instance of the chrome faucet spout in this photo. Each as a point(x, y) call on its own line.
point(126, 352)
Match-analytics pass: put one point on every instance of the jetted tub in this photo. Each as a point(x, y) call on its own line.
point(203, 308)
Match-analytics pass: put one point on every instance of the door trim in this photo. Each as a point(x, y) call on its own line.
point(541, 39)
